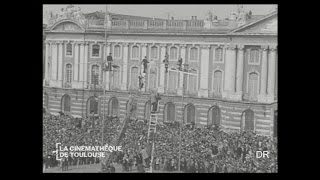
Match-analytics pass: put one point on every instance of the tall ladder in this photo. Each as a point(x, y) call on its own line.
point(151, 133)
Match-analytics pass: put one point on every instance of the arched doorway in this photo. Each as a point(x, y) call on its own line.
point(92, 105)
point(247, 123)
point(190, 114)
point(275, 124)
point(147, 108)
point(65, 103)
point(169, 112)
point(113, 107)
point(214, 117)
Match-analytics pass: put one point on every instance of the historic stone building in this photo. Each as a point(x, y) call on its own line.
point(233, 81)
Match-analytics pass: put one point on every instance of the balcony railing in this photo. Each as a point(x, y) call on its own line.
point(155, 24)
point(151, 24)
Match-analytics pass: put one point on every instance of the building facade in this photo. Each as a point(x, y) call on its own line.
point(233, 81)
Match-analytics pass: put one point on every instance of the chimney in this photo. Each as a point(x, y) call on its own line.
point(172, 18)
point(195, 18)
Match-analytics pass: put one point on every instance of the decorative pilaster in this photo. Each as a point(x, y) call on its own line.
point(271, 73)
point(204, 71)
point(264, 71)
point(239, 77)
point(86, 51)
point(60, 63)
point(46, 70)
point(230, 71)
point(163, 48)
point(54, 61)
point(124, 84)
point(81, 67)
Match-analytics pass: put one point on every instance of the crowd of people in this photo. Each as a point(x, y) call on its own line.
point(71, 131)
point(202, 150)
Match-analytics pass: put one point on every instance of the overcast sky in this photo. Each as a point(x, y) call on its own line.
point(161, 11)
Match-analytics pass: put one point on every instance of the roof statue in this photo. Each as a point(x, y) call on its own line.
point(70, 12)
point(209, 16)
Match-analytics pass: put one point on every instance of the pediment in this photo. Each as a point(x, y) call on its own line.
point(67, 26)
point(268, 25)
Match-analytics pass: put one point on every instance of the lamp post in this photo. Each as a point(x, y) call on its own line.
point(183, 71)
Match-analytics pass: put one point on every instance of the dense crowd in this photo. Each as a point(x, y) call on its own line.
point(71, 131)
point(203, 150)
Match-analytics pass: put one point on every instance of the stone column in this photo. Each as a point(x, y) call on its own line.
point(60, 64)
point(239, 81)
point(271, 73)
point(181, 75)
point(46, 70)
point(76, 62)
point(125, 57)
point(85, 65)
point(264, 71)
point(162, 67)
point(75, 82)
point(54, 61)
point(81, 65)
point(230, 70)
point(204, 71)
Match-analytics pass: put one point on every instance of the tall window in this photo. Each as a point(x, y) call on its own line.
point(69, 49)
point(95, 74)
point(173, 53)
point(173, 81)
point(218, 54)
point(68, 73)
point(217, 83)
point(117, 51)
point(214, 116)
point(92, 106)
point(135, 52)
point(170, 112)
point(154, 52)
point(193, 54)
point(189, 114)
point(116, 77)
point(253, 86)
point(65, 103)
point(153, 78)
point(248, 119)
point(95, 50)
point(134, 78)
point(113, 107)
point(254, 56)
